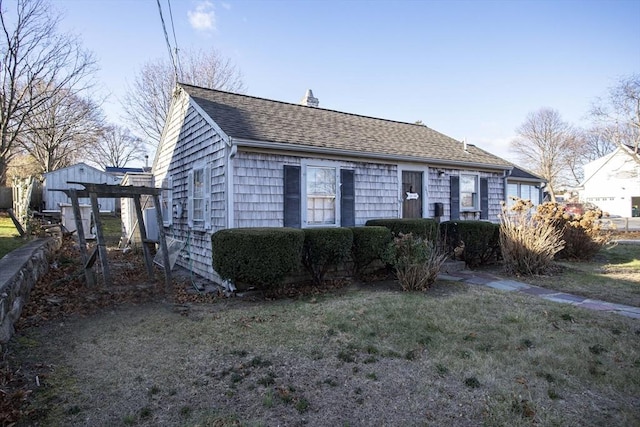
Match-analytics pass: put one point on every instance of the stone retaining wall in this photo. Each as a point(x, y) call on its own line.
point(19, 272)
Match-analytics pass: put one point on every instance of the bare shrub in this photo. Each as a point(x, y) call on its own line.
point(528, 244)
point(416, 261)
point(584, 235)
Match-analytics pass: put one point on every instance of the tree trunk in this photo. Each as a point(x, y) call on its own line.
point(3, 171)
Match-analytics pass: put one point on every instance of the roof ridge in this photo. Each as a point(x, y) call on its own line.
point(317, 108)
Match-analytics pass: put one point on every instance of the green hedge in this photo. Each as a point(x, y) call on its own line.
point(325, 247)
point(369, 245)
point(260, 257)
point(425, 228)
point(481, 240)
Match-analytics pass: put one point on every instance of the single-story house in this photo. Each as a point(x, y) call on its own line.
point(228, 160)
point(612, 183)
point(80, 172)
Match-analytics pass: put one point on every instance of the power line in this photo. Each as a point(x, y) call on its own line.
point(166, 38)
point(175, 41)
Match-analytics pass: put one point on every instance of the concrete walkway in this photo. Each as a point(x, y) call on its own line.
point(495, 282)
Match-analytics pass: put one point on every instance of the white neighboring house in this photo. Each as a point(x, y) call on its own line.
point(80, 172)
point(612, 183)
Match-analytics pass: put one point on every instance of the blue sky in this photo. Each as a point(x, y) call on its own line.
point(469, 69)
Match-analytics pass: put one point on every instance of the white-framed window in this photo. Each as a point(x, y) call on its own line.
point(469, 194)
point(166, 201)
point(321, 184)
point(321, 193)
point(524, 192)
point(199, 195)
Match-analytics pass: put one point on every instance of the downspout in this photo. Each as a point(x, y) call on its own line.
point(233, 150)
point(507, 174)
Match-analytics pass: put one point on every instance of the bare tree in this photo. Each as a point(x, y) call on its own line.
point(61, 131)
point(117, 147)
point(147, 102)
point(596, 143)
point(549, 147)
point(34, 54)
point(618, 115)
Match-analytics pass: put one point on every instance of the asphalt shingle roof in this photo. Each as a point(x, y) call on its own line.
point(259, 119)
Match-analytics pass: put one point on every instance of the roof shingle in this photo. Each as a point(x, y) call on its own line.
point(258, 119)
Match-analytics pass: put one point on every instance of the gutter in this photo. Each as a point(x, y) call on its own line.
point(280, 146)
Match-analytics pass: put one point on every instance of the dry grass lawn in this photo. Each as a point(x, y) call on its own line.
point(9, 237)
point(457, 355)
point(613, 275)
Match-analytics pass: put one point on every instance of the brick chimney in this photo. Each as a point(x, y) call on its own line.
point(309, 99)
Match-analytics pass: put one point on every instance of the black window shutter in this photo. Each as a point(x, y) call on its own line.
point(454, 189)
point(347, 198)
point(292, 197)
point(484, 198)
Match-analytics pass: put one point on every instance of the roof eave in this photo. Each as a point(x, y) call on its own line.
point(352, 153)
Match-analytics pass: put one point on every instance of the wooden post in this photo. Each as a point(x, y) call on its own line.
point(16, 222)
point(102, 246)
point(143, 236)
point(163, 245)
point(88, 272)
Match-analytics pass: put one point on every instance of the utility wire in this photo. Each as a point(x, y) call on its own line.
point(166, 38)
point(175, 42)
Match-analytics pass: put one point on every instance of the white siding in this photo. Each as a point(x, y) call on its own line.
point(130, 229)
point(611, 182)
point(80, 172)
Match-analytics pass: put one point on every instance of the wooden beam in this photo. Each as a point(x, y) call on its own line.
point(163, 245)
point(102, 246)
point(88, 272)
point(143, 236)
point(92, 258)
point(16, 222)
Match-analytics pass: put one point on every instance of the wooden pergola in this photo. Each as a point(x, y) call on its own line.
point(93, 192)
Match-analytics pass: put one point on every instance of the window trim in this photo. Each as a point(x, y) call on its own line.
point(166, 199)
point(476, 199)
point(205, 222)
point(336, 166)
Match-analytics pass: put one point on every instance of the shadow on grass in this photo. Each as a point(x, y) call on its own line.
point(620, 254)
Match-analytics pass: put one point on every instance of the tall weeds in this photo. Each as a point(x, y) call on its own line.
point(528, 244)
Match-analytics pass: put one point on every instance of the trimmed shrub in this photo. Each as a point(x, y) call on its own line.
point(425, 228)
point(261, 257)
point(477, 240)
point(416, 261)
point(369, 245)
point(325, 247)
point(528, 245)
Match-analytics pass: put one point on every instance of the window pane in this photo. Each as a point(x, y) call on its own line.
point(321, 181)
point(468, 183)
point(469, 192)
point(198, 211)
point(512, 191)
point(321, 195)
point(198, 183)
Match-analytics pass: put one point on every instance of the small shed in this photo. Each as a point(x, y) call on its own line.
point(130, 228)
point(80, 172)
